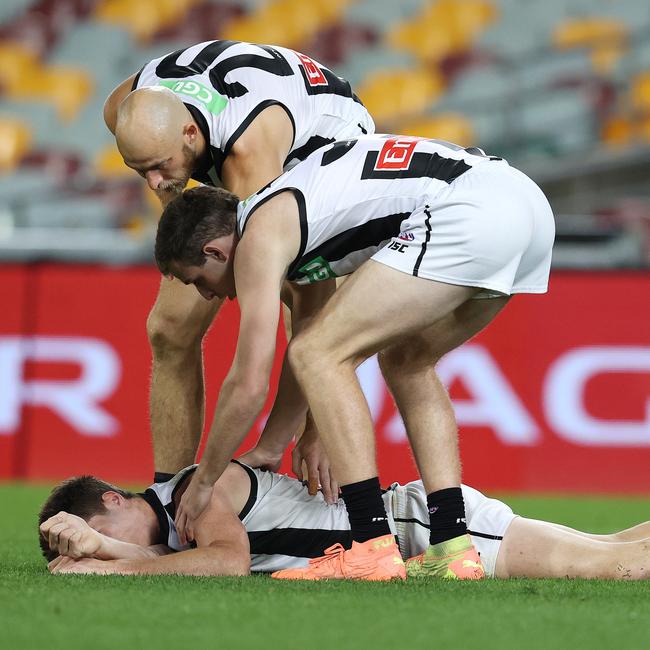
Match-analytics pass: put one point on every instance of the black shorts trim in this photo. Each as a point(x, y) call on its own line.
point(473, 533)
point(425, 243)
point(250, 117)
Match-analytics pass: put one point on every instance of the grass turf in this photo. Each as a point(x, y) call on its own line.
point(39, 610)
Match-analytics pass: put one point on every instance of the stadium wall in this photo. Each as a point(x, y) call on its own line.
point(554, 396)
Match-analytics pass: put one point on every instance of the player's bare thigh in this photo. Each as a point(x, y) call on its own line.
point(377, 306)
point(445, 335)
point(539, 549)
point(180, 312)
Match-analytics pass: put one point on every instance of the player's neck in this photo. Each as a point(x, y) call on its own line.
point(147, 516)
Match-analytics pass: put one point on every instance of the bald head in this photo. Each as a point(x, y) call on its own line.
point(150, 119)
point(158, 137)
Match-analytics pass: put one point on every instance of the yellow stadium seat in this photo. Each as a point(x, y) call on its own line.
point(143, 18)
point(443, 28)
point(391, 94)
point(640, 92)
point(606, 38)
point(286, 22)
point(452, 127)
point(109, 164)
point(15, 142)
point(16, 61)
point(617, 131)
point(67, 89)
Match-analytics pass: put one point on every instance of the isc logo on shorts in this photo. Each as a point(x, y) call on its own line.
point(315, 76)
point(396, 153)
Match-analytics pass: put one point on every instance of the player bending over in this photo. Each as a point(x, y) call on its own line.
point(435, 238)
point(260, 521)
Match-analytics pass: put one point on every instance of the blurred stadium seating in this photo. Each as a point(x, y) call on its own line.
point(560, 88)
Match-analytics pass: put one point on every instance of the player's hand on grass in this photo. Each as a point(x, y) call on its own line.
point(263, 458)
point(63, 564)
point(309, 458)
point(71, 536)
point(193, 502)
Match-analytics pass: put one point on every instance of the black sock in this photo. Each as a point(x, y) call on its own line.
point(446, 515)
point(162, 477)
point(366, 509)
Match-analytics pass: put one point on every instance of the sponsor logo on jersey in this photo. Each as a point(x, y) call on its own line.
point(315, 76)
point(317, 269)
point(406, 236)
point(396, 153)
point(209, 97)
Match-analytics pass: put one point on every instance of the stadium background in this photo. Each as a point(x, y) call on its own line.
point(555, 396)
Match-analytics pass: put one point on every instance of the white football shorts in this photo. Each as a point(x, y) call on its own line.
point(492, 227)
point(487, 521)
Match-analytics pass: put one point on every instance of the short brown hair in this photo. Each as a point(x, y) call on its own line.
point(81, 496)
point(190, 221)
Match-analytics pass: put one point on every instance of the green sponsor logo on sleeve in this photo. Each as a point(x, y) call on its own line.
point(209, 97)
point(317, 269)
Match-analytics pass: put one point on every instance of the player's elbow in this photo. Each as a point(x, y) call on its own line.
point(248, 391)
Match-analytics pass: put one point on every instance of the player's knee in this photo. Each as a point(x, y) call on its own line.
point(170, 331)
point(305, 353)
point(401, 359)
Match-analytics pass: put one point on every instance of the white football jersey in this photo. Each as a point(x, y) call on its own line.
point(353, 196)
point(287, 526)
point(226, 84)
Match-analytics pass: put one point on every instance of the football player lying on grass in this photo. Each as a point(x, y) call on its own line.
point(261, 521)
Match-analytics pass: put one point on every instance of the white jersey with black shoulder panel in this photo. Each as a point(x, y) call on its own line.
point(226, 84)
point(353, 195)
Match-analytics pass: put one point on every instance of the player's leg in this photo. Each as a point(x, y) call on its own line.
point(633, 534)
point(175, 327)
point(538, 549)
point(373, 309)
point(423, 402)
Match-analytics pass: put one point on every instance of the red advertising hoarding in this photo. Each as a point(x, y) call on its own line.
point(553, 396)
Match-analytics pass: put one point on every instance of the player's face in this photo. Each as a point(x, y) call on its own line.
point(215, 279)
point(122, 524)
point(168, 169)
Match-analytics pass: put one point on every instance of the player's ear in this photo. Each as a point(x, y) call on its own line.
point(215, 249)
point(112, 499)
point(190, 131)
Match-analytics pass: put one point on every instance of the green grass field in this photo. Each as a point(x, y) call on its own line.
point(42, 611)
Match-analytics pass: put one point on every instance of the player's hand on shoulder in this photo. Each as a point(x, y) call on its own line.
point(71, 536)
point(191, 506)
point(311, 463)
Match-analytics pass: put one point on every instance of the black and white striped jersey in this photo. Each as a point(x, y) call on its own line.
point(353, 196)
point(226, 84)
point(285, 524)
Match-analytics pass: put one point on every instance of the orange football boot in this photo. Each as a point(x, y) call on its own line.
point(376, 559)
point(455, 559)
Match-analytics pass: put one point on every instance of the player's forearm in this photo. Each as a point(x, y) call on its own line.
point(238, 407)
point(208, 561)
point(113, 549)
point(288, 414)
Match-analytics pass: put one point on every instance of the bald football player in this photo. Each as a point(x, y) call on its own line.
point(232, 114)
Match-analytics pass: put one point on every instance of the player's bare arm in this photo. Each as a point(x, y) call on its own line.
point(71, 536)
point(287, 417)
point(258, 155)
point(222, 549)
point(267, 248)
